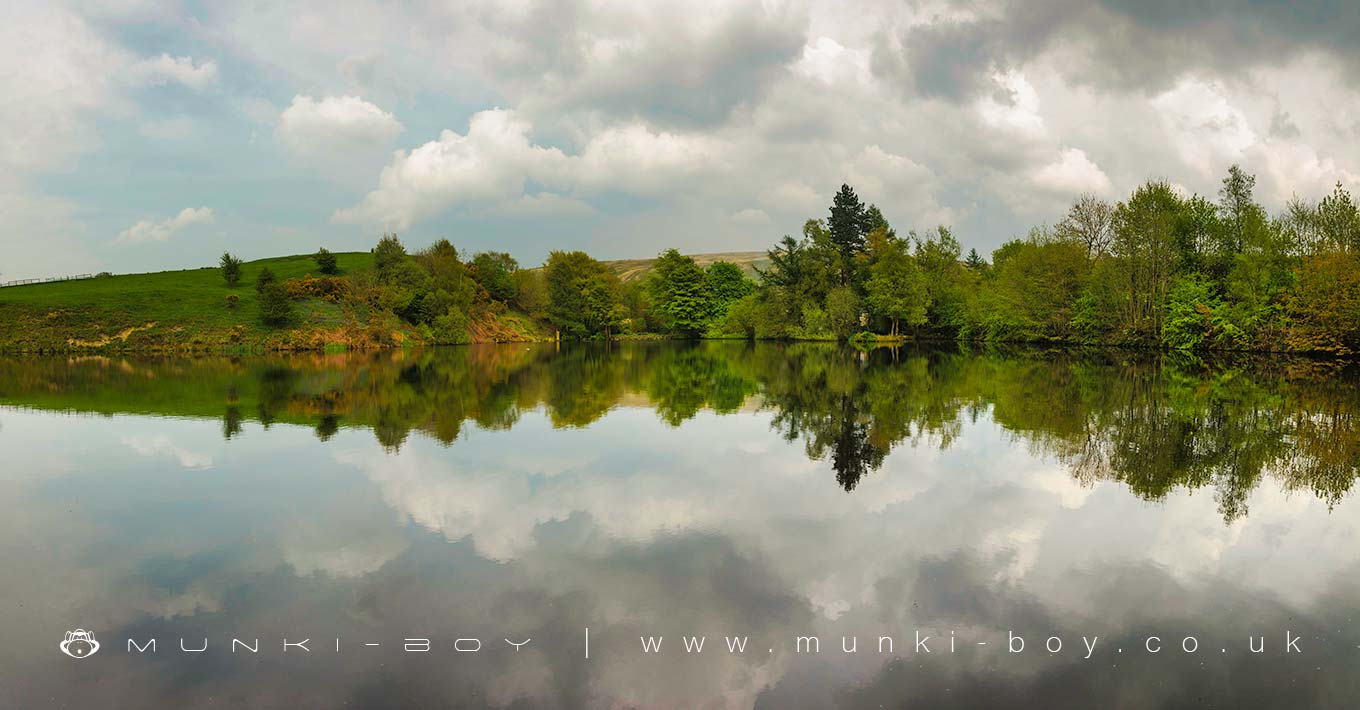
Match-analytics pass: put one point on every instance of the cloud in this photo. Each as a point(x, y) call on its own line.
point(314, 128)
point(54, 76)
point(496, 159)
point(147, 230)
point(1114, 45)
point(650, 124)
point(1208, 130)
point(675, 65)
point(165, 69)
point(1073, 174)
point(490, 163)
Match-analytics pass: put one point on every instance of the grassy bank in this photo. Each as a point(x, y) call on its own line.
point(188, 310)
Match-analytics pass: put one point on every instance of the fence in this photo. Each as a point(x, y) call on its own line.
point(50, 279)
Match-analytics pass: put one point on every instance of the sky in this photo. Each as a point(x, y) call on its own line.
point(138, 135)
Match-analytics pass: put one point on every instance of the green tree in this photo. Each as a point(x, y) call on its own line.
point(493, 271)
point(446, 271)
point(601, 292)
point(874, 220)
point(264, 279)
point(1034, 286)
point(231, 269)
point(1144, 247)
point(847, 226)
point(1338, 221)
point(325, 262)
point(726, 283)
point(842, 311)
point(678, 291)
point(637, 306)
point(896, 290)
point(388, 253)
point(276, 308)
point(531, 292)
point(404, 287)
point(583, 294)
point(946, 281)
point(1242, 221)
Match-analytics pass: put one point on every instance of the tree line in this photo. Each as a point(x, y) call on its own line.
point(1157, 269)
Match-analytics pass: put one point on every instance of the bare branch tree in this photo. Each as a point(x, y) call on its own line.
point(1090, 220)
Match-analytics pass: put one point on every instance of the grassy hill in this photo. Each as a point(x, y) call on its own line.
point(187, 310)
point(635, 269)
point(171, 309)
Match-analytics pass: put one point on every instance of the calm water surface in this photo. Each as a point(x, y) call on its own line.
point(717, 490)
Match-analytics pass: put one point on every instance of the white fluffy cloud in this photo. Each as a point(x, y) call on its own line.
point(333, 125)
point(147, 230)
point(1072, 174)
point(490, 163)
point(165, 69)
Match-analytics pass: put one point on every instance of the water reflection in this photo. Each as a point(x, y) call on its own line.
point(1151, 422)
point(668, 490)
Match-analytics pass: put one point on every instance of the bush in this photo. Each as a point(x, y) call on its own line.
point(325, 262)
point(276, 309)
point(232, 301)
point(331, 289)
point(450, 328)
point(265, 279)
point(1195, 318)
point(231, 269)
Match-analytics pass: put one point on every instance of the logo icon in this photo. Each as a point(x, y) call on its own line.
point(80, 644)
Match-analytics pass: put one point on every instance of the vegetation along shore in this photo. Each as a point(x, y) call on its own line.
point(1158, 269)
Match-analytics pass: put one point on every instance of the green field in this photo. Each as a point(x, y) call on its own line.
point(188, 310)
point(166, 309)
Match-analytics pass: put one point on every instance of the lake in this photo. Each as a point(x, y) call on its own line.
point(679, 525)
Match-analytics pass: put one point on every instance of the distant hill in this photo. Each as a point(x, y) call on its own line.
point(635, 269)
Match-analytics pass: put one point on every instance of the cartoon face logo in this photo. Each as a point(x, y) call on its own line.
point(79, 644)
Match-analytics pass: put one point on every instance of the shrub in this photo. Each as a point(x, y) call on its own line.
point(450, 328)
point(325, 262)
point(332, 289)
point(276, 309)
point(231, 269)
point(265, 279)
point(232, 301)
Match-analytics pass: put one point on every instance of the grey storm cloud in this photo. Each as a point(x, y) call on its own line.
point(1124, 45)
point(653, 62)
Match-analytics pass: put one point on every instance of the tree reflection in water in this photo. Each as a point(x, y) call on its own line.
point(1152, 422)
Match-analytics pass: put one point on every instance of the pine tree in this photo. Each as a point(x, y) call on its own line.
point(231, 269)
point(848, 226)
